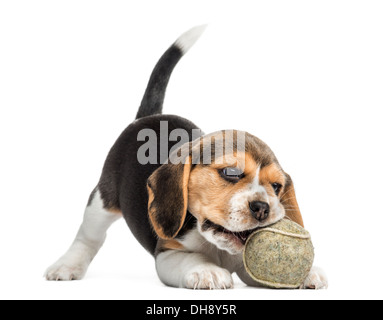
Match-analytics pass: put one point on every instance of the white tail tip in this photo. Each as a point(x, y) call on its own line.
point(189, 38)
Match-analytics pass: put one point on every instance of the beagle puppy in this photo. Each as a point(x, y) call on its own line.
point(190, 199)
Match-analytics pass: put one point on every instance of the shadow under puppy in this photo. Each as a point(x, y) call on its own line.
point(193, 205)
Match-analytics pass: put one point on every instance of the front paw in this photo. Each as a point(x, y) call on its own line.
point(208, 277)
point(317, 279)
point(64, 271)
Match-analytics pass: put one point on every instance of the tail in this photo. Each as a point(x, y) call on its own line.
point(153, 99)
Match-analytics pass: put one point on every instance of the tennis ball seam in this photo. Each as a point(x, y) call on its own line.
point(293, 235)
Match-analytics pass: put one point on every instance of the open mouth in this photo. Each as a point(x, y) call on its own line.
point(241, 236)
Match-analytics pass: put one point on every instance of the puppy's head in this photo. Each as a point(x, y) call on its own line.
point(231, 186)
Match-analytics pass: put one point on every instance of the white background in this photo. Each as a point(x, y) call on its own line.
point(304, 76)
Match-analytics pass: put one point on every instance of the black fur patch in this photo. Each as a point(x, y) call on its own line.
point(91, 197)
point(153, 99)
point(189, 224)
point(123, 181)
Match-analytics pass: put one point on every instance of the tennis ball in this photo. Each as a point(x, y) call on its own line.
point(279, 256)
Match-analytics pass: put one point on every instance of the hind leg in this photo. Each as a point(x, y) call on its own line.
point(90, 238)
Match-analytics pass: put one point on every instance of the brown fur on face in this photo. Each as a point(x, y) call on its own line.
point(201, 189)
point(226, 204)
point(210, 194)
point(269, 175)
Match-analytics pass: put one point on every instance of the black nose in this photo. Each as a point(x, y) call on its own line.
point(260, 210)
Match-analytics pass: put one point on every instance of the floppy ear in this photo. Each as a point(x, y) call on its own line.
point(289, 201)
point(168, 198)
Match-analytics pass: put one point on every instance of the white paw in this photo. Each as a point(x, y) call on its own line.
point(62, 271)
point(208, 277)
point(317, 279)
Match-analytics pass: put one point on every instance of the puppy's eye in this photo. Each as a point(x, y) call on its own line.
point(277, 188)
point(232, 174)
